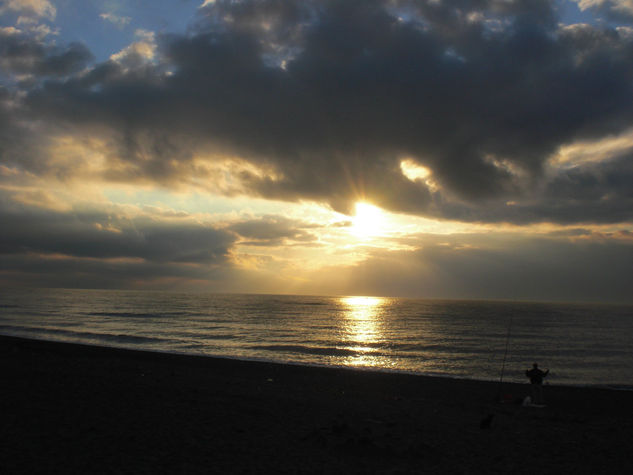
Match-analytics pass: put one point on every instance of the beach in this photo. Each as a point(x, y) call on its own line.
point(71, 408)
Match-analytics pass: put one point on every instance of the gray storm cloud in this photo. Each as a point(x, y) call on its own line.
point(103, 235)
point(333, 95)
point(111, 248)
point(23, 54)
point(274, 231)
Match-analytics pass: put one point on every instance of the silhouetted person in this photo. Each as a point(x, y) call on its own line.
point(536, 378)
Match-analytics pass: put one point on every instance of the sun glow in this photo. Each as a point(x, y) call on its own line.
point(362, 306)
point(368, 221)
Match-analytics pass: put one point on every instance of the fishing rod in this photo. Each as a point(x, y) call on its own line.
point(505, 356)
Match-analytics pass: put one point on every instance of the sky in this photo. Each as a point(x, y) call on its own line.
point(472, 149)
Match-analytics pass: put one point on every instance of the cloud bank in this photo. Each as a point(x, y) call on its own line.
point(122, 249)
point(324, 99)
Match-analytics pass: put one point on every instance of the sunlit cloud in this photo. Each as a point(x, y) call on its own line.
point(39, 8)
point(599, 150)
point(118, 21)
point(414, 171)
point(614, 8)
point(139, 51)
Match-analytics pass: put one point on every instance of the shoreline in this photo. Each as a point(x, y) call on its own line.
point(76, 408)
point(370, 369)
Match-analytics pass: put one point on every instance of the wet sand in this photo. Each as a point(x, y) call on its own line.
point(79, 409)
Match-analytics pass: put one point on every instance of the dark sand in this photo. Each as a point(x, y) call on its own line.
point(77, 409)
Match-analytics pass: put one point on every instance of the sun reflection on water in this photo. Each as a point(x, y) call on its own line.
point(362, 328)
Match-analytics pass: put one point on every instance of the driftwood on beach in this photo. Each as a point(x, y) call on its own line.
point(78, 409)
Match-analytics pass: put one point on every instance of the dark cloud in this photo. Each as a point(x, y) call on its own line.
point(21, 53)
point(598, 193)
point(274, 231)
point(17, 146)
point(584, 191)
point(332, 95)
point(154, 249)
point(100, 235)
point(72, 272)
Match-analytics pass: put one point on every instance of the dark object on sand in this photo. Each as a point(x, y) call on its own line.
point(486, 422)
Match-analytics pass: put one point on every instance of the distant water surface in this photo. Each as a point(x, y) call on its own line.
point(581, 344)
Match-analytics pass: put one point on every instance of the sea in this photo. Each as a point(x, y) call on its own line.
point(581, 344)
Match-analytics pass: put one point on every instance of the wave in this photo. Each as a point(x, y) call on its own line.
point(136, 315)
point(217, 337)
point(314, 350)
point(84, 336)
point(122, 338)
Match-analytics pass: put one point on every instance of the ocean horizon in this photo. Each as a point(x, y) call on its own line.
point(583, 344)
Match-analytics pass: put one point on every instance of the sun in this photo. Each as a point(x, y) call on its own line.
point(368, 221)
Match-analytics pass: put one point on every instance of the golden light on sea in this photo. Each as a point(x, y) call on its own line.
point(363, 329)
